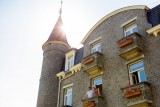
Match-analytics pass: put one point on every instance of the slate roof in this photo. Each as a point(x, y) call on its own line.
point(154, 15)
point(79, 56)
point(58, 33)
point(77, 60)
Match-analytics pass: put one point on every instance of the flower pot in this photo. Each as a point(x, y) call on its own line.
point(88, 60)
point(89, 104)
point(124, 42)
point(132, 93)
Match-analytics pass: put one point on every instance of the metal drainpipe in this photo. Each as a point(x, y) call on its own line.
point(59, 86)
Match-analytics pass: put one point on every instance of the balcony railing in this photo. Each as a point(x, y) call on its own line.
point(138, 94)
point(93, 63)
point(130, 46)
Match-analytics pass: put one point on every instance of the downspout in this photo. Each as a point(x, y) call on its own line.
point(59, 87)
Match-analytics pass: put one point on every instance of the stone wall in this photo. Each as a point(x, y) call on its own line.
point(115, 73)
point(52, 62)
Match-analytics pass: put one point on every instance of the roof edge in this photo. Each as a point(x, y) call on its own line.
point(111, 14)
point(56, 42)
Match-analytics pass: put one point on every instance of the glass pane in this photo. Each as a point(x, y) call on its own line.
point(66, 100)
point(97, 81)
point(93, 50)
point(142, 76)
point(136, 66)
point(69, 91)
point(135, 29)
point(128, 33)
point(70, 100)
point(96, 47)
point(99, 49)
point(68, 96)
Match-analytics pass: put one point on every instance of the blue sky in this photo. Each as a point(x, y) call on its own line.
point(26, 24)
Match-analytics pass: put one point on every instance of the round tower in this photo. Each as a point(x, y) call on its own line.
point(54, 52)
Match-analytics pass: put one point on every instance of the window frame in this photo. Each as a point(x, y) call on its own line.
point(138, 71)
point(92, 80)
point(94, 44)
point(70, 61)
point(65, 95)
point(71, 53)
point(127, 26)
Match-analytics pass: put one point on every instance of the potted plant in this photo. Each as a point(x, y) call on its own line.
point(125, 41)
point(88, 60)
point(130, 92)
point(89, 104)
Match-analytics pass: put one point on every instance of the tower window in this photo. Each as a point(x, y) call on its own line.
point(137, 73)
point(68, 96)
point(130, 28)
point(96, 47)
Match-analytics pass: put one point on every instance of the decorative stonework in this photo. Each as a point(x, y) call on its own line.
point(154, 30)
point(72, 71)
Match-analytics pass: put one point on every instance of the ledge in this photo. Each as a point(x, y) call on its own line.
point(154, 30)
point(136, 85)
point(70, 72)
point(139, 102)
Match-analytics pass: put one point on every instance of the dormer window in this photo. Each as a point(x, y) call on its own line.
point(70, 61)
point(96, 47)
point(70, 57)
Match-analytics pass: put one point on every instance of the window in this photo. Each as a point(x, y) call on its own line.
point(131, 28)
point(96, 47)
point(70, 57)
point(96, 81)
point(68, 96)
point(137, 73)
point(70, 61)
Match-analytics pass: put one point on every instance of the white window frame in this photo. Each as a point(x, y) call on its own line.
point(138, 71)
point(130, 27)
point(96, 47)
point(68, 95)
point(71, 54)
point(70, 61)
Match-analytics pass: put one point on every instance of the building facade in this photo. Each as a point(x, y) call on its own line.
point(120, 55)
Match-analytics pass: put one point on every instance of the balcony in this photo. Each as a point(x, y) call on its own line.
point(130, 46)
point(93, 63)
point(94, 102)
point(138, 95)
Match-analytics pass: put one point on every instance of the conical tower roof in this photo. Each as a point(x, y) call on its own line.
point(58, 33)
